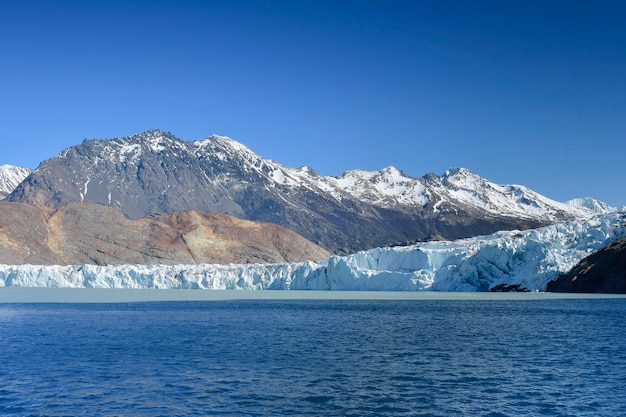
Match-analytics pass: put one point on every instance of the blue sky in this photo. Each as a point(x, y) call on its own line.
point(523, 92)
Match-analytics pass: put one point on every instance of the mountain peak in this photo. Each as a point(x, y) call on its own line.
point(462, 178)
point(154, 139)
point(152, 134)
point(459, 172)
point(591, 204)
point(223, 143)
point(391, 170)
point(10, 177)
point(221, 138)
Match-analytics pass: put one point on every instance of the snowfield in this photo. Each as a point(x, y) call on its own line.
point(531, 258)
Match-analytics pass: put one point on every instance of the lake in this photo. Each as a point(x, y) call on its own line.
point(498, 356)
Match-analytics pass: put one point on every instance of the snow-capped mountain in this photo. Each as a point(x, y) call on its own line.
point(10, 177)
point(591, 204)
point(154, 172)
point(459, 186)
point(530, 259)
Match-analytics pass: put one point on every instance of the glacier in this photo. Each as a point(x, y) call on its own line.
point(530, 258)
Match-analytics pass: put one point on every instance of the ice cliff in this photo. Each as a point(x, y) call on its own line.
point(531, 258)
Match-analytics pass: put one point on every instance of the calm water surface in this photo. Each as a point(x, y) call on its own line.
point(314, 357)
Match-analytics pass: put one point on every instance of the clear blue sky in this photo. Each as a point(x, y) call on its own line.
point(523, 92)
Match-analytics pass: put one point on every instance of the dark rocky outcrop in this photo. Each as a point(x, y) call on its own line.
point(604, 271)
point(508, 288)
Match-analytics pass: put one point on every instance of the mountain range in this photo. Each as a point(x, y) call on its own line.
point(155, 173)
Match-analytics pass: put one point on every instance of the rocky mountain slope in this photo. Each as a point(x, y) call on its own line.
point(604, 271)
point(154, 172)
point(10, 177)
point(82, 233)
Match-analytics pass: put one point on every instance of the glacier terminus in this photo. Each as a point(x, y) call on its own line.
point(530, 258)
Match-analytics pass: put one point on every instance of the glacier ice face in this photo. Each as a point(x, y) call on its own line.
point(531, 258)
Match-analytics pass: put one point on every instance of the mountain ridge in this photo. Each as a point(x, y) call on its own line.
point(155, 172)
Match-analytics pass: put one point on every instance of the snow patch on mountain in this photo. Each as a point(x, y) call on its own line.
point(10, 177)
point(131, 151)
point(530, 258)
point(279, 176)
point(387, 187)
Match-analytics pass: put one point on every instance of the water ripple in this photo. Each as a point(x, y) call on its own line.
point(315, 357)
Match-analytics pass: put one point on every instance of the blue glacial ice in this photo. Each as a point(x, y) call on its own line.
point(531, 258)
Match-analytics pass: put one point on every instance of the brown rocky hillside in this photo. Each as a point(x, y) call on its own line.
point(83, 233)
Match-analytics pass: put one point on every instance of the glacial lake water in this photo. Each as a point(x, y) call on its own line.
point(499, 356)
